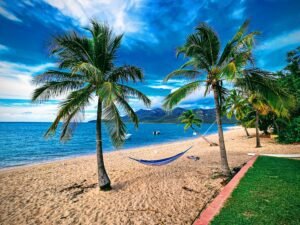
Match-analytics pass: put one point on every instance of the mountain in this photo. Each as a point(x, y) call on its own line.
point(158, 115)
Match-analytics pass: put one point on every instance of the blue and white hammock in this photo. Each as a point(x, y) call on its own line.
point(161, 162)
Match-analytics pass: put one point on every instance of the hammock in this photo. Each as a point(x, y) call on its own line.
point(161, 162)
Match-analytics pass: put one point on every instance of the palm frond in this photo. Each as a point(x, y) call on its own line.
point(211, 39)
point(127, 108)
point(263, 84)
point(75, 102)
point(54, 75)
point(191, 74)
point(115, 126)
point(72, 48)
point(54, 89)
point(174, 98)
point(132, 92)
point(241, 42)
point(126, 74)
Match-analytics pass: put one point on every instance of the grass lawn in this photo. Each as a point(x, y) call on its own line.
point(269, 194)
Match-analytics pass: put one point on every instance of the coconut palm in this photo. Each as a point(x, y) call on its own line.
point(87, 71)
point(237, 105)
point(264, 94)
point(190, 119)
point(210, 66)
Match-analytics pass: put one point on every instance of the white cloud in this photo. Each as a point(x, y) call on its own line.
point(123, 16)
point(196, 95)
point(15, 79)
point(238, 13)
point(281, 41)
point(9, 15)
point(161, 86)
point(33, 113)
point(169, 85)
point(3, 48)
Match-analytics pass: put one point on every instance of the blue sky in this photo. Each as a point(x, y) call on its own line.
point(153, 29)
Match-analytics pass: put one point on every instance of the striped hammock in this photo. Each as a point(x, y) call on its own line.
point(161, 162)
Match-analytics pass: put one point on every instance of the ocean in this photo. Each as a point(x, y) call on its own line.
point(23, 143)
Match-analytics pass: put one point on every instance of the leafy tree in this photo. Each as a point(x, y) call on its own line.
point(211, 66)
point(264, 94)
point(289, 78)
point(291, 134)
point(87, 70)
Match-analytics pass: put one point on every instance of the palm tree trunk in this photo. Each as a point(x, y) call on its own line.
point(258, 145)
point(224, 162)
point(103, 179)
point(247, 133)
point(277, 127)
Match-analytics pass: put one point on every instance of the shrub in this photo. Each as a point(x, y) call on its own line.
point(292, 132)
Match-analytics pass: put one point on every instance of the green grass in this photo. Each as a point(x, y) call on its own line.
point(269, 194)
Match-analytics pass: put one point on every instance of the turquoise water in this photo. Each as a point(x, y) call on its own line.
point(23, 143)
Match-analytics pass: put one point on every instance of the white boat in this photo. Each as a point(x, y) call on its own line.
point(194, 133)
point(127, 136)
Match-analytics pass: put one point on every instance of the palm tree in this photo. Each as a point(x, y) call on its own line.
point(190, 119)
point(237, 105)
point(264, 95)
point(206, 61)
point(87, 70)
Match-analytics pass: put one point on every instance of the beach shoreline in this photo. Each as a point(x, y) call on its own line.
point(110, 151)
point(66, 192)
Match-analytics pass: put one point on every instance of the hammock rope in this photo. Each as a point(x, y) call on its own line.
point(161, 162)
point(203, 135)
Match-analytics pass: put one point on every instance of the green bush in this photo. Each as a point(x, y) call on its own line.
point(292, 132)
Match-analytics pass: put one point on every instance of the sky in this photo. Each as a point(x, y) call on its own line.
point(153, 29)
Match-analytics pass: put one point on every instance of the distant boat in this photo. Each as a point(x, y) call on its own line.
point(194, 133)
point(156, 132)
point(127, 136)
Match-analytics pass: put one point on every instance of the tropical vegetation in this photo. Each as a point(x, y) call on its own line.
point(191, 120)
point(87, 71)
point(264, 95)
point(237, 105)
point(211, 66)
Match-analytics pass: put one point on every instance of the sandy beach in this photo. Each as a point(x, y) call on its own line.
point(65, 192)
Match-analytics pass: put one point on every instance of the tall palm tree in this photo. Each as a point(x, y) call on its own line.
point(237, 105)
point(190, 119)
point(264, 94)
point(87, 70)
point(207, 61)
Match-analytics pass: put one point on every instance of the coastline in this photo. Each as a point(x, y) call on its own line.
point(111, 151)
point(65, 191)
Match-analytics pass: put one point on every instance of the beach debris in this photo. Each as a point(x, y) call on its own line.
point(190, 189)
point(213, 144)
point(192, 157)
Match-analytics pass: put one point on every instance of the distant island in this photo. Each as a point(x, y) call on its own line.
point(158, 115)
